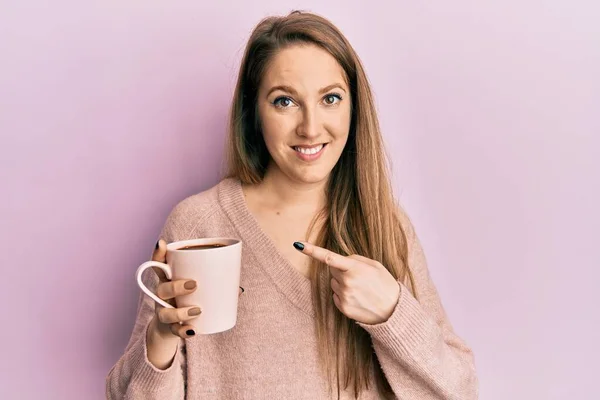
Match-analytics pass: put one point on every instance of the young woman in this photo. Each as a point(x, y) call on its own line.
point(338, 302)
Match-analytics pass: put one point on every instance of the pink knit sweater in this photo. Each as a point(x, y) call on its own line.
point(272, 351)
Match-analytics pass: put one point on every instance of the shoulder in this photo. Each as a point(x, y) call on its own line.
point(192, 211)
point(407, 225)
point(417, 262)
point(196, 204)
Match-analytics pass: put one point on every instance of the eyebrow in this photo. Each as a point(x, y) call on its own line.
point(292, 91)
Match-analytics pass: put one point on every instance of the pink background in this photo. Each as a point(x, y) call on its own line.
point(113, 111)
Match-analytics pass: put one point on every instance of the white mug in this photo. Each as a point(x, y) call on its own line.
point(216, 271)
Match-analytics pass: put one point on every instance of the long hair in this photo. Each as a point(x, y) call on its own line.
point(360, 217)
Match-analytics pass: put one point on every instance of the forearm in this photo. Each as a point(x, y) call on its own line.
point(135, 377)
point(420, 359)
point(149, 369)
point(161, 346)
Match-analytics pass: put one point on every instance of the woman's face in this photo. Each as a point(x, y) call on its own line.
point(304, 107)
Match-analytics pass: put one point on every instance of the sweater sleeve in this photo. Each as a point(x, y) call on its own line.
point(421, 356)
point(134, 377)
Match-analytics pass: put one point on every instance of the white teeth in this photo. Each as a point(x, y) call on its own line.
point(309, 151)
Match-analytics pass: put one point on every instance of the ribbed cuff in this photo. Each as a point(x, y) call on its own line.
point(145, 375)
point(409, 331)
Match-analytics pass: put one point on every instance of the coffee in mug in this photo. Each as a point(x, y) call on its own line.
point(202, 246)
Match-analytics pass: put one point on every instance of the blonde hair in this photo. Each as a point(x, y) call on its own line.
point(361, 216)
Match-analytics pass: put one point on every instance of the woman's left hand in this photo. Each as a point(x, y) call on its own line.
point(364, 290)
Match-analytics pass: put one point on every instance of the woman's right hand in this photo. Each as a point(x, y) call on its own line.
point(169, 322)
point(164, 331)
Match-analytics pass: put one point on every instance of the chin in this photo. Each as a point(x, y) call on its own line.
point(309, 177)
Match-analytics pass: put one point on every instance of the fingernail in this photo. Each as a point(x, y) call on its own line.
point(192, 312)
point(299, 246)
point(190, 332)
point(242, 289)
point(156, 247)
point(189, 285)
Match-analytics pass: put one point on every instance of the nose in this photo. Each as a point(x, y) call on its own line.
point(308, 126)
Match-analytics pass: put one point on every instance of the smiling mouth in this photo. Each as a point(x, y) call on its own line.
point(309, 150)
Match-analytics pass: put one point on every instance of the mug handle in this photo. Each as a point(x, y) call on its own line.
point(149, 264)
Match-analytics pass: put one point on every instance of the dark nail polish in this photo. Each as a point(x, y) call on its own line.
point(189, 285)
point(156, 247)
point(299, 246)
point(242, 289)
point(192, 312)
point(190, 332)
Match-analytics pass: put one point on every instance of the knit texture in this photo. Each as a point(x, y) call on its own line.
point(272, 351)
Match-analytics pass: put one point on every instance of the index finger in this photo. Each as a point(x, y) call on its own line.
point(328, 257)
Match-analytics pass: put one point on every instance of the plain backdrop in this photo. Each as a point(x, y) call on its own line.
point(113, 111)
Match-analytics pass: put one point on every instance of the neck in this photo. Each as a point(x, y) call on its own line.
point(277, 189)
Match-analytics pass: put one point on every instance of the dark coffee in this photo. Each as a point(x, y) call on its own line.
point(202, 246)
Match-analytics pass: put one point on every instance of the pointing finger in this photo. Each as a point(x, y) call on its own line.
point(327, 257)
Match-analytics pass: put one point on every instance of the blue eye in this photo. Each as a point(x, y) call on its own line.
point(332, 99)
point(282, 102)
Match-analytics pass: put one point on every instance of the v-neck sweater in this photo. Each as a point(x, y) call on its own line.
point(272, 351)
